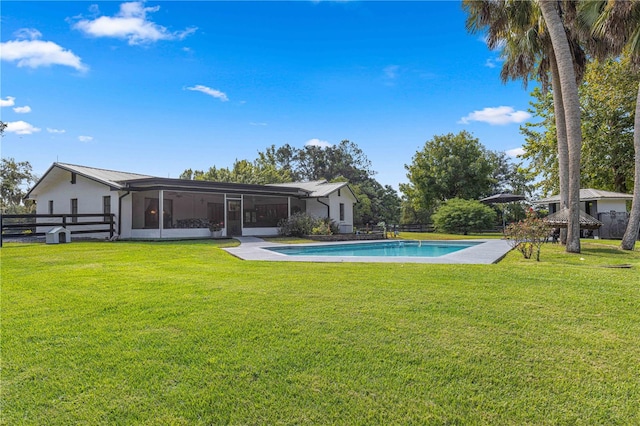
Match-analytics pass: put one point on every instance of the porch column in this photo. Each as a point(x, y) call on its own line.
point(224, 212)
point(288, 206)
point(161, 211)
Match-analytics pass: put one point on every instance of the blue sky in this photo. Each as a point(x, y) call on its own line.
point(160, 87)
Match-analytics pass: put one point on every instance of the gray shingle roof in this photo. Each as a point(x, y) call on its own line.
point(589, 194)
point(112, 178)
point(316, 188)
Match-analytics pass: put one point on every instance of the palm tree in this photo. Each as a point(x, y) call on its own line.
point(618, 24)
point(519, 30)
point(571, 103)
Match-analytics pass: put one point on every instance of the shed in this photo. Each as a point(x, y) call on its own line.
point(58, 235)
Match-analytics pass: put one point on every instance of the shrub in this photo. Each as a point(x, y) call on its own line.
point(301, 224)
point(463, 216)
point(528, 234)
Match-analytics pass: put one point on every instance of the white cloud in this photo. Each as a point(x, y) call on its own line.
point(30, 52)
point(490, 63)
point(85, 138)
point(496, 116)
point(257, 124)
point(9, 101)
point(391, 71)
point(27, 34)
point(23, 109)
point(515, 152)
point(131, 23)
point(56, 131)
point(21, 128)
point(318, 142)
point(209, 91)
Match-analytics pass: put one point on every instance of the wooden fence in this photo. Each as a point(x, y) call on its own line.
point(28, 225)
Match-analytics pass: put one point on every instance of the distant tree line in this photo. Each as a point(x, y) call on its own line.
point(338, 163)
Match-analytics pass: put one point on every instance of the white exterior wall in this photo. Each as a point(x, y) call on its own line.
point(259, 232)
point(126, 221)
point(315, 208)
point(60, 190)
point(57, 187)
point(605, 206)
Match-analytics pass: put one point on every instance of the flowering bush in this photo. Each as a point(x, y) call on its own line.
point(214, 226)
point(528, 234)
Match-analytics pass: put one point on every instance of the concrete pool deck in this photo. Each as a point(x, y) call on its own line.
point(490, 251)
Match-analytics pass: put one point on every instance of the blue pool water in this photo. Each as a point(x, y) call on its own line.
point(388, 249)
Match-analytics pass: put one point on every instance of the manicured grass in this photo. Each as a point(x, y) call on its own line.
point(183, 333)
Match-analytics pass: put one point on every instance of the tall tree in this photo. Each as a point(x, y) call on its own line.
point(342, 162)
point(448, 166)
point(15, 176)
point(519, 31)
point(608, 101)
point(618, 24)
point(571, 104)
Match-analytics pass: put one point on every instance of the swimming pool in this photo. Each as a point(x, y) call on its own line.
point(375, 249)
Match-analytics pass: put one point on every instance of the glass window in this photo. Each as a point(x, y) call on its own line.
point(50, 206)
point(74, 209)
point(106, 206)
point(341, 211)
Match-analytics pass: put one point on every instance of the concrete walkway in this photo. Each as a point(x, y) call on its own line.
point(253, 248)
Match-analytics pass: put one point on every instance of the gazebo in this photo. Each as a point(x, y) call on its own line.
point(560, 219)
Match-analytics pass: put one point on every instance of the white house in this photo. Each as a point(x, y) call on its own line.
point(186, 206)
point(608, 207)
point(593, 201)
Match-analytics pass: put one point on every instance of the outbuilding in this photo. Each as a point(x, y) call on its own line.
point(608, 207)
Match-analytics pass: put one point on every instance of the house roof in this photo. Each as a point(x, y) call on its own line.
point(118, 180)
point(317, 188)
point(156, 183)
point(590, 194)
point(112, 178)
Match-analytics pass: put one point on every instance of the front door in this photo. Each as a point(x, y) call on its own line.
point(234, 218)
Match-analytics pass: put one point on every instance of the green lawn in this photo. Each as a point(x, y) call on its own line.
point(183, 333)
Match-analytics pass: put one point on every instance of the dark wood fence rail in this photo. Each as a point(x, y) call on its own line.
point(25, 225)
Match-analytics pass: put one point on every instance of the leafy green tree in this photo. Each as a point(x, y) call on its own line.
point(243, 171)
point(342, 162)
point(618, 24)
point(608, 101)
point(507, 176)
point(448, 166)
point(608, 97)
point(463, 216)
point(16, 176)
point(540, 143)
point(538, 38)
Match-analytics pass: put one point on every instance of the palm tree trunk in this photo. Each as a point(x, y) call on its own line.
point(633, 227)
point(571, 102)
point(561, 138)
